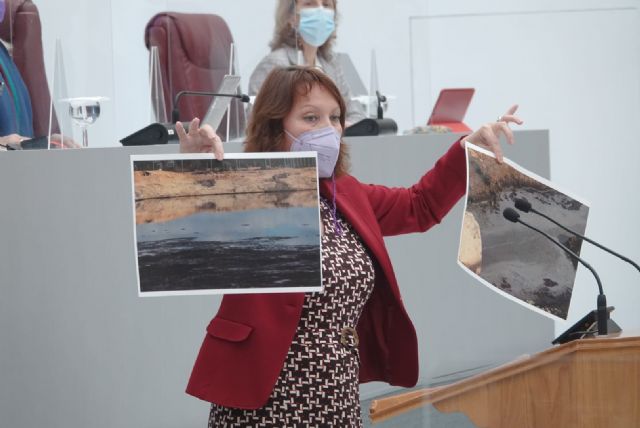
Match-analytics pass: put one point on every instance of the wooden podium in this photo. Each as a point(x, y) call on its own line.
point(585, 383)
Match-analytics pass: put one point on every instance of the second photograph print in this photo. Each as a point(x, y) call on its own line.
point(512, 259)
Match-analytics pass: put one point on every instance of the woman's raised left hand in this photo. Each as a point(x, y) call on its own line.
point(488, 135)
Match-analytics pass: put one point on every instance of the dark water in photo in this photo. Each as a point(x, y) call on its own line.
point(257, 248)
point(524, 263)
point(187, 264)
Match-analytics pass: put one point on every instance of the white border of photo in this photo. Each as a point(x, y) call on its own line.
point(520, 169)
point(229, 156)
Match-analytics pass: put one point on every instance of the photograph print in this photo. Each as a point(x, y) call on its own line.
point(508, 257)
point(247, 224)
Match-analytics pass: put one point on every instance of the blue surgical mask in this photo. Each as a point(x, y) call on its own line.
point(325, 141)
point(316, 25)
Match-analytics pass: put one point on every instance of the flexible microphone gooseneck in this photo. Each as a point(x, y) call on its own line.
point(525, 206)
point(513, 216)
point(175, 113)
point(381, 99)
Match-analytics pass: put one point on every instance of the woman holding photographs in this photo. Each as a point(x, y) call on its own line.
point(297, 359)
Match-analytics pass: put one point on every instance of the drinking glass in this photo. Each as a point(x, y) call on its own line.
point(84, 111)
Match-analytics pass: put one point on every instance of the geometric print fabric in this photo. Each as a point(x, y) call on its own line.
point(318, 385)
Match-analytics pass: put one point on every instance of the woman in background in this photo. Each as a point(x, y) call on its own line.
point(15, 105)
point(296, 359)
point(304, 35)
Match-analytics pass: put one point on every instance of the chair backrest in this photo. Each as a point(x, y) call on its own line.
point(194, 54)
point(21, 27)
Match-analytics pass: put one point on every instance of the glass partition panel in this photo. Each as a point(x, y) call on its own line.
point(60, 107)
point(79, 57)
point(158, 106)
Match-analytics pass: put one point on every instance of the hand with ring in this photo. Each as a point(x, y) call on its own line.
point(488, 135)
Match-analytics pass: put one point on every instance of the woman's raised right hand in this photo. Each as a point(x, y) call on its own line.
point(199, 139)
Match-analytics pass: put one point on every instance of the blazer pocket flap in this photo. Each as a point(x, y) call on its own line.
point(228, 330)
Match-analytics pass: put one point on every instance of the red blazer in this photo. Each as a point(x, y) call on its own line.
point(247, 341)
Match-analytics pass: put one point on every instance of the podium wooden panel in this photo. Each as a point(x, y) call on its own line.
point(586, 383)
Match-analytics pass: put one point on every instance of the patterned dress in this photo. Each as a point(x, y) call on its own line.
point(318, 385)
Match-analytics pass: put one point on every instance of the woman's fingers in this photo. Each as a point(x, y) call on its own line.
point(503, 128)
point(511, 110)
point(194, 127)
point(211, 141)
point(218, 150)
point(182, 134)
point(13, 138)
point(509, 118)
point(185, 146)
point(490, 140)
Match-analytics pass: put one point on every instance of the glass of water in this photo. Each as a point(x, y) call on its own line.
point(84, 111)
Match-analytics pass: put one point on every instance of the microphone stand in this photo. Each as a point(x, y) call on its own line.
point(602, 299)
point(602, 315)
point(175, 113)
point(162, 133)
point(524, 205)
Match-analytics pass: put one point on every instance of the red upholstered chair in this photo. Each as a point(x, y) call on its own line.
point(194, 52)
point(21, 27)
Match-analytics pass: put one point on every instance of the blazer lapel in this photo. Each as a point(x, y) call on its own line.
point(361, 220)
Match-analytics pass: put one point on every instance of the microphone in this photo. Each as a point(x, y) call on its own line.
point(381, 99)
point(162, 133)
point(525, 206)
point(602, 314)
point(175, 113)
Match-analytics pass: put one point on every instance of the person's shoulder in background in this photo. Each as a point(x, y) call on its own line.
point(332, 67)
point(280, 57)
